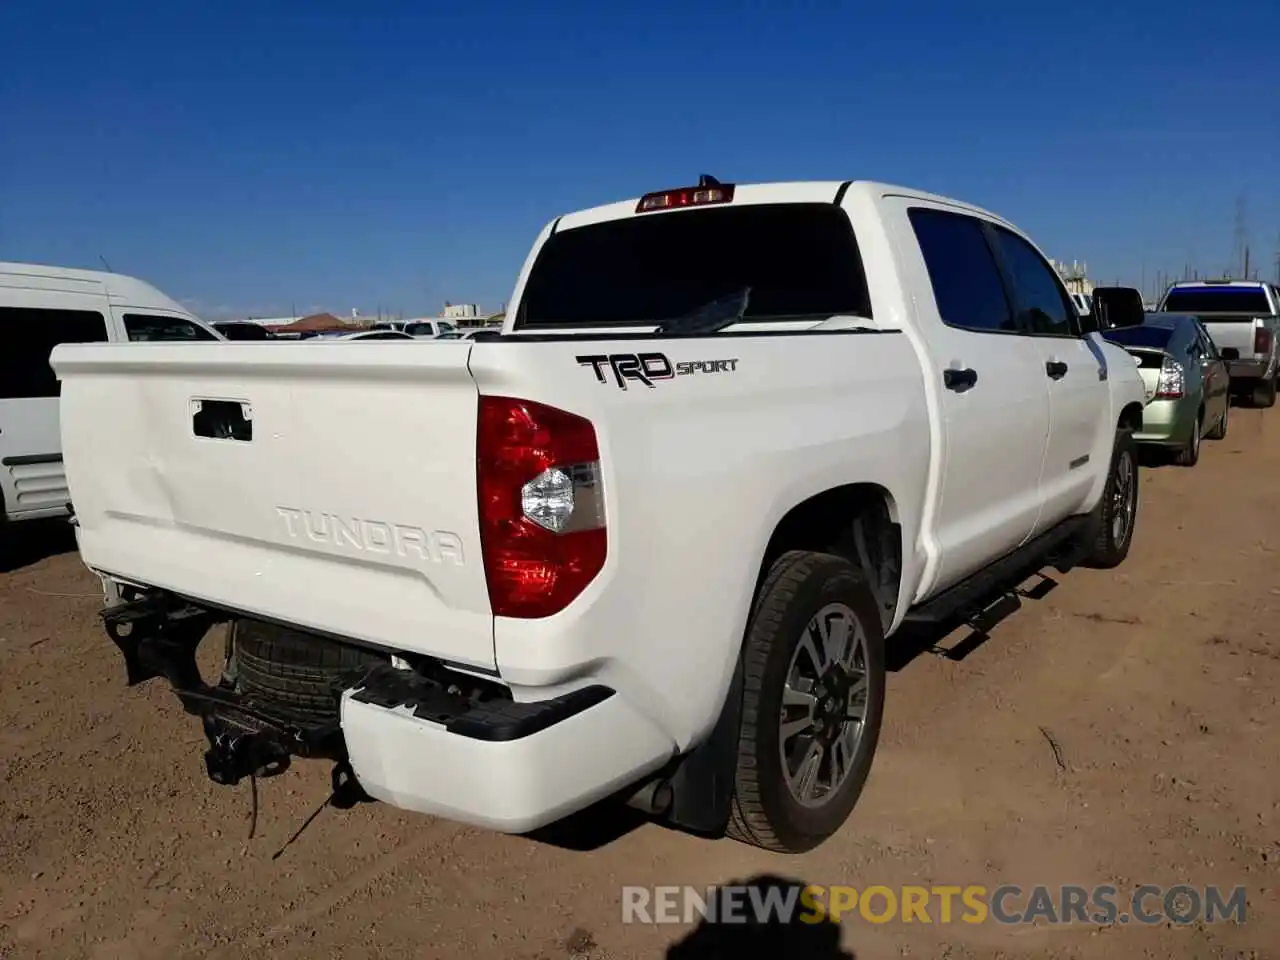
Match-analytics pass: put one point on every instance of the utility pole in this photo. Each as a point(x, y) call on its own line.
point(1240, 253)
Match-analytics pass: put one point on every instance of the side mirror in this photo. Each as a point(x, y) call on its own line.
point(1118, 307)
point(1229, 353)
point(1089, 323)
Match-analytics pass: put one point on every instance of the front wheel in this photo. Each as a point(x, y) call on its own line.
point(1112, 523)
point(812, 703)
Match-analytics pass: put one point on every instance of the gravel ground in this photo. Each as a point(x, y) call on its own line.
point(1121, 729)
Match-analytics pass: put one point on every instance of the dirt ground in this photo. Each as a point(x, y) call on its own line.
point(1122, 729)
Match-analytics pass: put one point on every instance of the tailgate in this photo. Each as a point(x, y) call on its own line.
point(1232, 330)
point(345, 502)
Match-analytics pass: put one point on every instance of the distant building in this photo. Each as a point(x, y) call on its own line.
point(1075, 275)
point(272, 321)
point(460, 311)
point(314, 323)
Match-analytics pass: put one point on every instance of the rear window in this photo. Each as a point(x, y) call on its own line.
point(1251, 300)
point(152, 327)
point(1153, 338)
point(799, 260)
point(28, 336)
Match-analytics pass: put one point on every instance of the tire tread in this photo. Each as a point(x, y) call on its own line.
point(748, 820)
point(296, 672)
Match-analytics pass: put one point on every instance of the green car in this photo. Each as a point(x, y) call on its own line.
point(1188, 385)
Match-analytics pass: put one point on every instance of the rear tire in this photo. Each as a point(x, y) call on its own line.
point(294, 674)
point(1264, 393)
point(804, 597)
point(1112, 523)
point(1189, 455)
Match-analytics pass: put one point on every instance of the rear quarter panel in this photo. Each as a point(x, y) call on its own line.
point(698, 470)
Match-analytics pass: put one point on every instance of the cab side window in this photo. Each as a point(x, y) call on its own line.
point(1043, 304)
point(962, 271)
point(157, 327)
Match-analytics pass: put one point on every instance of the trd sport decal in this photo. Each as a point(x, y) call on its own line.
point(647, 367)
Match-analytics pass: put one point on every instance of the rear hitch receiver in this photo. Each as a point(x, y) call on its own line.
point(235, 754)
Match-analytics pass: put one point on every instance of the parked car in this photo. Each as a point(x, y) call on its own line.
point(40, 307)
point(651, 545)
point(1187, 383)
point(373, 334)
point(242, 330)
point(475, 333)
point(1243, 318)
point(429, 328)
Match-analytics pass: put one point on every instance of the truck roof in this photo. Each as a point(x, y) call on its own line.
point(118, 287)
point(793, 191)
point(1210, 284)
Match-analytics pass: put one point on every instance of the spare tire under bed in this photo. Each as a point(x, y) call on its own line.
point(294, 674)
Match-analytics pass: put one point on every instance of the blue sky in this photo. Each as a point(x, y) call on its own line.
point(247, 158)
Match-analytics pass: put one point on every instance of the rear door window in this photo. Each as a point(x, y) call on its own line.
point(798, 259)
point(966, 282)
point(27, 337)
point(154, 326)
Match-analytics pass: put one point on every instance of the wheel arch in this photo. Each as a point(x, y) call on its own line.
point(1130, 417)
point(858, 521)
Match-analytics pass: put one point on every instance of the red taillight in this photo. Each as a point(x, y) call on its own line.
point(686, 197)
point(542, 529)
point(1262, 340)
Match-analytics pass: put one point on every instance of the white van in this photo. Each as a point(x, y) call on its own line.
point(41, 307)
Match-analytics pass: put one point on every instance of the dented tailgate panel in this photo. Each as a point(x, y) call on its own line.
point(328, 485)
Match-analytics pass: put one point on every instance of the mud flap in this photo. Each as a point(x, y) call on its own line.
point(702, 785)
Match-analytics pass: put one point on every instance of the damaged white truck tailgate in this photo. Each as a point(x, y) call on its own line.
point(648, 544)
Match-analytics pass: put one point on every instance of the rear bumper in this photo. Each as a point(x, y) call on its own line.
point(1167, 422)
point(1250, 369)
point(408, 740)
point(509, 785)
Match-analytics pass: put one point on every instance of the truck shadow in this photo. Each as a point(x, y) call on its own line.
point(742, 933)
point(591, 829)
point(941, 640)
point(30, 541)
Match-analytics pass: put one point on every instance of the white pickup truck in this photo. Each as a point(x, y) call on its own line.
point(648, 544)
point(1243, 319)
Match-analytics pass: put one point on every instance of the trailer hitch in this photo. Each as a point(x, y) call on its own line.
point(235, 754)
point(158, 636)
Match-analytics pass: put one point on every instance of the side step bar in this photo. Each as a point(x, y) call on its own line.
point(969, 597)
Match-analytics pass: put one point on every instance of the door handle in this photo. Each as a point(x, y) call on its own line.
point(959, 380)
point(1055, 369)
